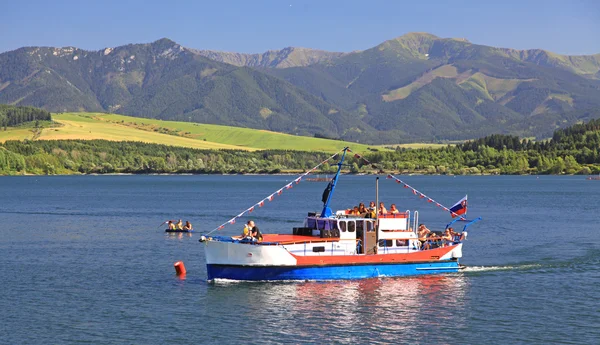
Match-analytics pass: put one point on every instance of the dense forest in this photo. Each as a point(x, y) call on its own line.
point(11, 116)
point(572, 150)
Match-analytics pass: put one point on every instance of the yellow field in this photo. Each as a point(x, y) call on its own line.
point(88, 126)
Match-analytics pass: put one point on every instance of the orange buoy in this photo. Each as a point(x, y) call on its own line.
point(179, 268)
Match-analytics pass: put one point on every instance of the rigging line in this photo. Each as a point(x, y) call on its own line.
point(406, 185)
point(272, 195)
point(422, 195)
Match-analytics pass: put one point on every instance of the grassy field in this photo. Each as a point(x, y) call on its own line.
point(87, 126)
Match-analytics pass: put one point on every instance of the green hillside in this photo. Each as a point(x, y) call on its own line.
point(92, 126)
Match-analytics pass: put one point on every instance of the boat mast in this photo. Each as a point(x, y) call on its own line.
point(328, 193)
point(376, 212)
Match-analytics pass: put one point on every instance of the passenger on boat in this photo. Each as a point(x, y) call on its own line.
point(187, 226)
point(180, 225)
point(354, 211)
point(382, 209)
point(171, 225)
point(362, 211)
point(372, 210)
point(247, 231)
point(256, 235)
point(422, 233)
point(457, 236)
point(447, 238)
point(393, 209)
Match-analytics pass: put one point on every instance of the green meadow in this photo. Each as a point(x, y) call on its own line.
point(88, 126)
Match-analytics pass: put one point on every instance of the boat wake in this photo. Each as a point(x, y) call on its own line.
point(476, 269)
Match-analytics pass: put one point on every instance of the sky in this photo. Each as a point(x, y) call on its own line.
point(564, 27)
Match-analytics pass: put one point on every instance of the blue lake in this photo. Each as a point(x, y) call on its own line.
point(84, 260)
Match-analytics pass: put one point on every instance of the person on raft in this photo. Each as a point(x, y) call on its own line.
point(180, 225)
point(187, 226)
point(171, 225)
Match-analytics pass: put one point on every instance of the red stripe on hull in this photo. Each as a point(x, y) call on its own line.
point(421, 256)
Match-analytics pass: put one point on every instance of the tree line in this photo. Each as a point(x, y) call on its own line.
point(11, 116)
point(573, 150)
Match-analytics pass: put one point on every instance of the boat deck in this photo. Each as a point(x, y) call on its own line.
point(291, 239)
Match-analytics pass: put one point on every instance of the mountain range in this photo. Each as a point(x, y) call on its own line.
point(417, 87)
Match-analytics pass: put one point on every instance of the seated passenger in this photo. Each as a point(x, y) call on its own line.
point(171, 225)
point(382, 209)
point(372, 210)
point(455, 235)
point(188, 226)
point(447, 238)
point(256, 233)
point(354, 211)
point(362, 210)
point(372, 206)
point(247, 231)
point(180, 225)
point(393, 209)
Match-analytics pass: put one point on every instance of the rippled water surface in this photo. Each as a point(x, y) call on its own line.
point(84, 260)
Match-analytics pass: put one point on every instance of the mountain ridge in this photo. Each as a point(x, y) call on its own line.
point(415, 87)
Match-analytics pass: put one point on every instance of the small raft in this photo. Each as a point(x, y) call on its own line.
point(178, 231)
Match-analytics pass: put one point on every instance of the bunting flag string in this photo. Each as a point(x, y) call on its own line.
point(271, 196)
point(423, 196)
point(406, 185)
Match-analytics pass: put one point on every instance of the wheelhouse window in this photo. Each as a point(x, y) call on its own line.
point(351, 226)
point(401, 243)
point(342, 226)
point(385, 243)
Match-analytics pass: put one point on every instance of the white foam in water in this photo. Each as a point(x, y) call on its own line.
point(499, 268)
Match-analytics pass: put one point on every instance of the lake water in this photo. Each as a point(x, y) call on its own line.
point(84, 260)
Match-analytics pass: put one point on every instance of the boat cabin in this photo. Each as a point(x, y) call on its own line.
point(394, 234)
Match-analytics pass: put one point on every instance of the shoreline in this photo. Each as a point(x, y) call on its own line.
point(290, 174)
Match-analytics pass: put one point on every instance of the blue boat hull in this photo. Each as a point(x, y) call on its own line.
point(341, 272)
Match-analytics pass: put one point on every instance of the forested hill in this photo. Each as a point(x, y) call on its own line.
point(574, 150)
point(13, 116)
point(417, 87)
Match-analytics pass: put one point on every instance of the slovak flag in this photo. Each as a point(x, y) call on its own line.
point(459, 208)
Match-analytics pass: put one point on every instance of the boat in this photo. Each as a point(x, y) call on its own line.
point(318, 179)
point(596, 178)
point(334, 246)
point(178, 231)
